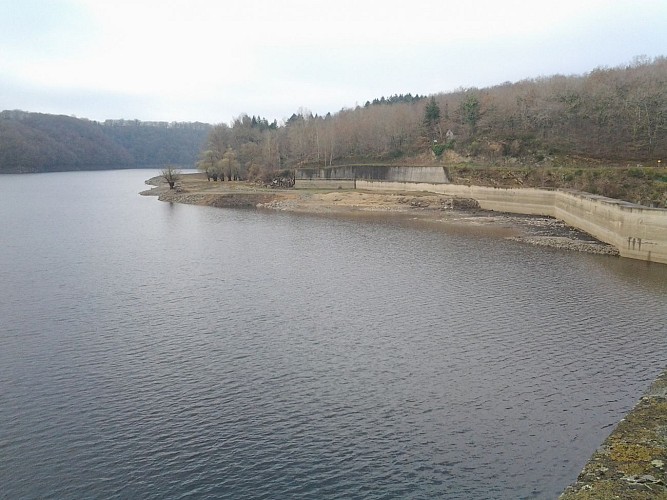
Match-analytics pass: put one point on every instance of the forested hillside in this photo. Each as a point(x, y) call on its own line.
point(610, 115)
point(36, 142)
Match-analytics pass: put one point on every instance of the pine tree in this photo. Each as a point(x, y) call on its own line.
point(432, 113)
point(432, 119)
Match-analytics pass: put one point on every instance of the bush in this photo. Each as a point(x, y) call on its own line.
point(438, 149)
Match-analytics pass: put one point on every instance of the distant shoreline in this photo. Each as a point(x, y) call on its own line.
point(434, 210)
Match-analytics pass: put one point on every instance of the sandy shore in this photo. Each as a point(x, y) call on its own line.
point(427, 208)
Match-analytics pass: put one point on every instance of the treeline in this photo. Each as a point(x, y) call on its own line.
point(395, 99)
point(158, 143)
point(609, 114)
point(36, 142)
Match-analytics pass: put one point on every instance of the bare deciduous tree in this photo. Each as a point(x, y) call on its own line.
point(171, 175)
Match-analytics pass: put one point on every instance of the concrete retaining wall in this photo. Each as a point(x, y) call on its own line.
point(373, 172)
point(317, 183)
point(638, 232)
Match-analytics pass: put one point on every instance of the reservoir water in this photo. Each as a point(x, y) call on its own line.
point(150, 350)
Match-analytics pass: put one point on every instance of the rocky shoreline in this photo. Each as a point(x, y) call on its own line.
point(445, 210)
point(630, 464)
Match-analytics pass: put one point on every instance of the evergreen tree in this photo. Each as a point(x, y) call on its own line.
point(432, 119)
point(471, 113)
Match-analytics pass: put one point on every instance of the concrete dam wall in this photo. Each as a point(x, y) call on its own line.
point(638, 232)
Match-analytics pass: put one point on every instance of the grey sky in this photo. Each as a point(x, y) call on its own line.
point(198, 60)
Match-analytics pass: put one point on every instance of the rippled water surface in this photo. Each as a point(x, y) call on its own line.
point(150, 350)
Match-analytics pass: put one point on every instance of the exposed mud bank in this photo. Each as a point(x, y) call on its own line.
point(436, 208)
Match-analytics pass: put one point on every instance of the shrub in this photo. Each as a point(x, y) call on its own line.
point(438, 149)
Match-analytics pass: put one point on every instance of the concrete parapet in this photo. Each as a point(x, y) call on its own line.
point(638, 232)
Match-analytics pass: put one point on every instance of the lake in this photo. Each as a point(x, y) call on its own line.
point(151, 350)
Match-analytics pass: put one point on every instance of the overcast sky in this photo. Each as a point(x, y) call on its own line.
point(199, 60)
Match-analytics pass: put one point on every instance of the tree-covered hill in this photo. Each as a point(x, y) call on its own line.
point(610, 115)
point(158, 143)
point(37, 142)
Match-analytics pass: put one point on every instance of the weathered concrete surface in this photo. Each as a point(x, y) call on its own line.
point(631, 462)
point(637, 232)
point(372, 172)
point(316, 183)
